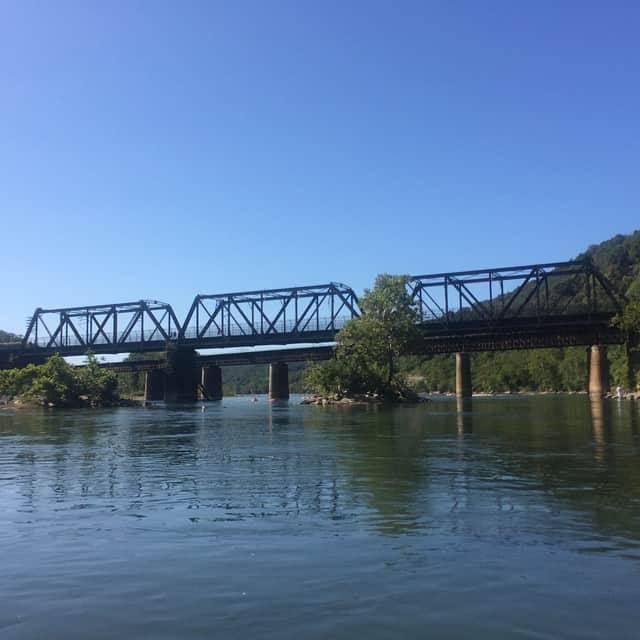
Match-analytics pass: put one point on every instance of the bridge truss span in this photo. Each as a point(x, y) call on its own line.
point(532, 306)
point(111, 328)
point(313, 313)
point(539, 293)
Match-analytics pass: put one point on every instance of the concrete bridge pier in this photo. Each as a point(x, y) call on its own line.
point(182, 376)
point(278, 381)
point(463, 375)
point(153, 385)
point(598, 368)
point(211, 382)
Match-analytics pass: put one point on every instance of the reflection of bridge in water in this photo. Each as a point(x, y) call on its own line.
point(522, 307)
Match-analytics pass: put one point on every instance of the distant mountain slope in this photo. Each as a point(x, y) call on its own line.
point(618, 259)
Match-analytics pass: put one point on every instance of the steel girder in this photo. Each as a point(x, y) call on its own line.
point(101, 326)
point(538, 293)
point(286, 312)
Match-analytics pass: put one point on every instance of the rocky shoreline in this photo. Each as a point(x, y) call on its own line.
point(81, 404)
point(372, 399)
point(363, 399)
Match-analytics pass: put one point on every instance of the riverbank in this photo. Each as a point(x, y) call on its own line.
point(82, 403)
point(363, 399)
point(626, 395)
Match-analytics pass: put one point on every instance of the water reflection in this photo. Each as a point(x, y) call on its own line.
point(635, 409)
point(391, 471)
point(464, 416)
point(324, 522)
point(601, 425)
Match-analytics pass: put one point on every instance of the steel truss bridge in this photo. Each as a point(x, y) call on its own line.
point(556, 304)
point(542, 305)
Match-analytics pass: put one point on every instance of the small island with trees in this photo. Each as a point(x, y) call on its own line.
point(368, 349)
point(56, 383)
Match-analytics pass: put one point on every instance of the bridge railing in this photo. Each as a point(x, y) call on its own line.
point(325, 324)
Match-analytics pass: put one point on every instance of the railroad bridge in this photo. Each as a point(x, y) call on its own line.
point(519, 307)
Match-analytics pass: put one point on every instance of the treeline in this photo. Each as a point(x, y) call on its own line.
point(57, 383)
point(250, 379)
point(254, 379)
point(533, 370)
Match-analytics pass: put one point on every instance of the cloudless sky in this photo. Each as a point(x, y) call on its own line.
point(163, 149)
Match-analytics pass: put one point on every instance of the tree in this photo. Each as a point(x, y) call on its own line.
point(628, 320)
point(98, 384)
point(368, 348)
point(55, 383)
point(58, 383)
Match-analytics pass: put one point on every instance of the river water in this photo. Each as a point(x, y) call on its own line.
point(517, 518)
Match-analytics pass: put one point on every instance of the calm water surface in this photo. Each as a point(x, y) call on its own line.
point(517, 519)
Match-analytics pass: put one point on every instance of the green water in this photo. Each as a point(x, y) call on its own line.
point(517, 519)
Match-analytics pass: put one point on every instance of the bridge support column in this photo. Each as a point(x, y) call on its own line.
point(211, 382)
point(182, 376)
point(278, 381)
point(153, 385)
point(598, 371)
point(463, 375)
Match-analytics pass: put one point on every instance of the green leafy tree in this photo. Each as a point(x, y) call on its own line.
point(628, 320)
point(58, 383)
point(55, 383)
point(97, 384)
point(368, 348)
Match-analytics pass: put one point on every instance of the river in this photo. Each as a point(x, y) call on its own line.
point(517, 518)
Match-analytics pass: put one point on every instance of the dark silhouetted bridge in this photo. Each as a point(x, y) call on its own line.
point(543, 305)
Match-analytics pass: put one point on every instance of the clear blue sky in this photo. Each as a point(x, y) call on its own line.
point(161, 149)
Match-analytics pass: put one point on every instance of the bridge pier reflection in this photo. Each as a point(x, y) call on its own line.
point(278, 381)
point(464, 417)
point(601, 427)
